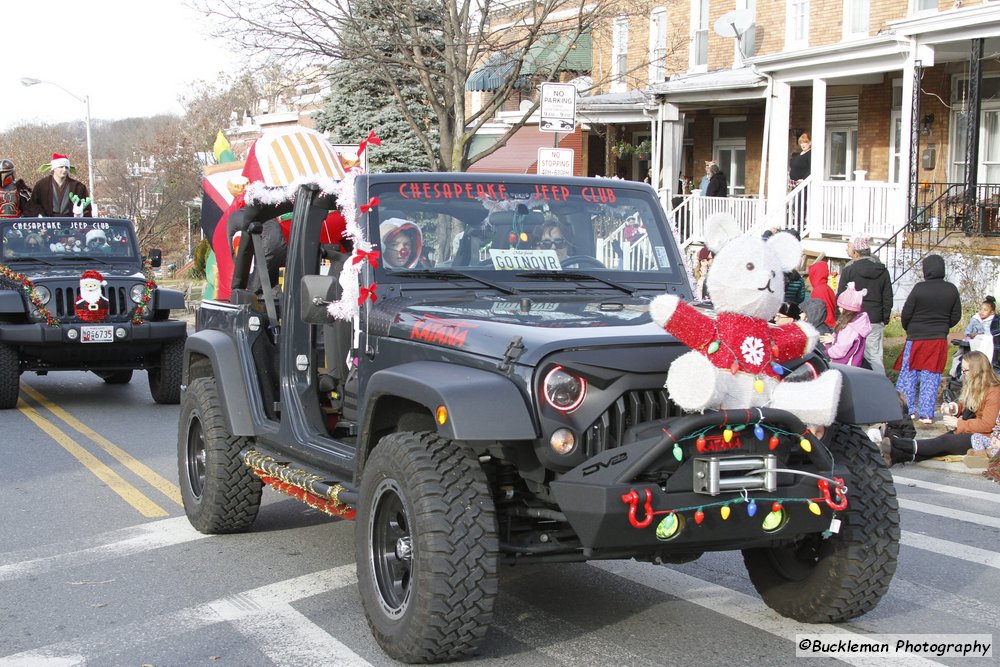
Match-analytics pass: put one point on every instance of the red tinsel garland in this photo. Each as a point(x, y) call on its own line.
point(147, 292)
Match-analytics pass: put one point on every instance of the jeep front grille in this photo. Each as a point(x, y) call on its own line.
point(64, 298)
point(631, 408)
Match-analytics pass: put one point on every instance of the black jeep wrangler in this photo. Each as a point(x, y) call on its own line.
point(74, 296)
point(498, 399)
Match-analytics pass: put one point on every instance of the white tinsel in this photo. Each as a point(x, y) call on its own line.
point(347, 306)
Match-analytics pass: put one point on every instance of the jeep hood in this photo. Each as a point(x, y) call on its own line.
point(486, 327)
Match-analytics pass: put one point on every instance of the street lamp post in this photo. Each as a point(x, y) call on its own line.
point(28, 81)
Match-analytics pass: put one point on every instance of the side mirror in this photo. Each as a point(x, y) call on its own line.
point(315, 294)
point(155, 258)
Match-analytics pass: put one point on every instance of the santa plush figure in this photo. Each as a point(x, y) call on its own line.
point(92, 305)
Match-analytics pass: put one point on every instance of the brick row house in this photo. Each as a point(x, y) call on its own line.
point(898, 97)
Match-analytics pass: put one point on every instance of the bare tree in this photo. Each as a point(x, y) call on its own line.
point(436, 43)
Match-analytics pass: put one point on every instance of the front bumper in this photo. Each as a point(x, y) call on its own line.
point(681, 486)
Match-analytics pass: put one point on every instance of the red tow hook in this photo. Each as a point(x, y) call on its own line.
point(632, 500)
point(841, 503)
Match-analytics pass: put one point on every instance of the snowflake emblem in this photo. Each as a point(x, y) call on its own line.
point(752, 350)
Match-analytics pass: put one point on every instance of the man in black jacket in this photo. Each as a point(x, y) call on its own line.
point(867, 272)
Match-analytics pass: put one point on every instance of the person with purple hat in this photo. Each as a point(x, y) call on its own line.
point(868, 273)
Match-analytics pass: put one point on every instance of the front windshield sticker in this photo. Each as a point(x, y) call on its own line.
point(661, 256)
point(515, 259)
point(31, 225)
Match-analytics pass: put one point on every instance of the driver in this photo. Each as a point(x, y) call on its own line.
point(402, 243)
point(554, 234)
point(97, 241)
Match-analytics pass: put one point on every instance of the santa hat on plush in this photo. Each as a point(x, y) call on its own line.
point(850, 299)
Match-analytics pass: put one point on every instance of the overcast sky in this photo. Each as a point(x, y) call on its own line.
point(132, 57)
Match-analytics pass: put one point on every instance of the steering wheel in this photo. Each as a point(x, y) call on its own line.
point(583, 262)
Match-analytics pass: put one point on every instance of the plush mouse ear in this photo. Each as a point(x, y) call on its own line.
point(787, 248)
point(720, 229)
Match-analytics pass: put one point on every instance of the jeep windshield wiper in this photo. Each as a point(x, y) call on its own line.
point(76, 258)
point(11, 260)
point(573, 275)
point(451, 273)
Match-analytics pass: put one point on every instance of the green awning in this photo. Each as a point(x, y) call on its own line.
point(541, 57)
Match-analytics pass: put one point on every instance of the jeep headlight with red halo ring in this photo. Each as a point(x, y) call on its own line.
point(563, 390)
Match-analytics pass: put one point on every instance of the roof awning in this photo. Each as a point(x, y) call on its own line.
point(542, 57)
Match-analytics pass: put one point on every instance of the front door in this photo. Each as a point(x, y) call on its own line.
point(842, 147)
point(732, 159)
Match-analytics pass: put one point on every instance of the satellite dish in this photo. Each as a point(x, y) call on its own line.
point(734, 23)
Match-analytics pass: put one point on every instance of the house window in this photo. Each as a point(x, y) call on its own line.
point(925, 5)
point(619, 54)
point(797, 25)
point(657, 44)
point(699, 38)
point(747, 43)
point(856, 14)
point(730, 152)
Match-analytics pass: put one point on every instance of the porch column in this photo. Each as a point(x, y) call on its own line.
point(780, 103)
point(817, 169)
point(671, 140)
point(918, 57)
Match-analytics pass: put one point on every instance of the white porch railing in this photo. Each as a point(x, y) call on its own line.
point(625, 255)
point(843, 208)
point(689, 216)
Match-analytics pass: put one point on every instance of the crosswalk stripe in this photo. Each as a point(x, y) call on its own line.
point(740, 607)
point(289, 639)
point(945, 488)
point(235, 608)
point(960, 515)
point(950, 549)
point(153, 535)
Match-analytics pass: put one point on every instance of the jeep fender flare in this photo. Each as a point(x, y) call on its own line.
point(168, 299)
point(866, 397)
point(481, 405)
point(11, 302)
point(220, 350)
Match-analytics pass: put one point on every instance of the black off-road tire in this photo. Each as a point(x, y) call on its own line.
point(10, 377)
point(117, 377)
point(831, 580)
point(220, 494)
point(427, 497)
point(165, 379)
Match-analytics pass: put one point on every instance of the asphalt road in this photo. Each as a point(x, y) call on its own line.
point(98, 565)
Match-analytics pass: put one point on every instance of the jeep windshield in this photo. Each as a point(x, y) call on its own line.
point(507, 228)
point(52, 240)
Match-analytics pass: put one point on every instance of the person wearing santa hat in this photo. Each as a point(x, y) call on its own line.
point(51, 195)
point(92, 305)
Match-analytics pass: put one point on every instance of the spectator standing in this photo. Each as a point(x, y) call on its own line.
point(705, 258)
point(846, 344)
point(51, 194)
point(703, 186)
point(717, 185)
point(819, 276)
point(868, 273)
point(932, 308)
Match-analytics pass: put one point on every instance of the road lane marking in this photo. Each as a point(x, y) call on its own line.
point(944, 488)
point(269, 598)
point(949, 513)
point(745, 609)
point(149, 536)
point(157, 481)
point(950, 549)
point(289, 639)
point(114, 481)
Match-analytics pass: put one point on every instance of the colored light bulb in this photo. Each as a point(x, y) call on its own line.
point(758, 386)
point(752, 508)
point(727, 435)
point(668, 527)
point(724, 512)
point(773, 442)
point(713, 347)
point(775, 506)
point(777, 368)
point(699, 516)
point(805, 445)
point(814, 508)
point(758, 432)
point(678, 452)
point(700, 443)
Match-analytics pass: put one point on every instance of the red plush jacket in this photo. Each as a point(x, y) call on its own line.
point(750, 343)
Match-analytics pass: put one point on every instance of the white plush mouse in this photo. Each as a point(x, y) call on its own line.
point(736, 357)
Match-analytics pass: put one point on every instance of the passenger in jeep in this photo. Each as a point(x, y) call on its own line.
point(402, 243)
